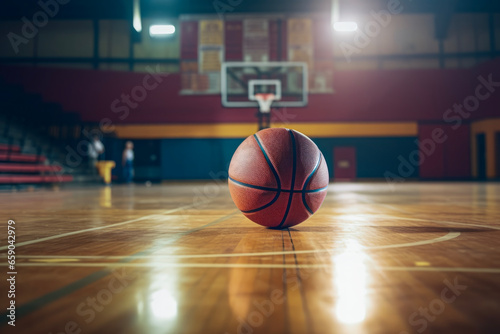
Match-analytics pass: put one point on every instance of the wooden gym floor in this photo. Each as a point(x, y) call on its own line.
point(419, 258)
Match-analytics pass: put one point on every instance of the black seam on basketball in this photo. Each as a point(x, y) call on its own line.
point(311, 190)
point(243, 184)
point(278, 181)
point(275, 175)
point(251, 185)
point(294, 170)
point(307, 182)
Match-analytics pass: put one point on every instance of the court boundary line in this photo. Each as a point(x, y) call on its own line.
point(52, 296)
point(67, 234)
point(392, 207)
point(449, 222)
point(449, 236)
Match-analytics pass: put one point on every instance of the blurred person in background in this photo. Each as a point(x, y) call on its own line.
point(128, 162)
point(95, 151)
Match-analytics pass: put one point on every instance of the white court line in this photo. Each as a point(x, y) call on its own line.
point(157, 265)
point(57, 236)
point(422, 219)
point(444, 269)
point(447, 222)
point(449, 236)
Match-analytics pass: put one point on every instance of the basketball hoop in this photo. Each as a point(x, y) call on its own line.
point(265, 101)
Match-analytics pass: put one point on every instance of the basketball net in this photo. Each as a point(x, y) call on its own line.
point(265, 101)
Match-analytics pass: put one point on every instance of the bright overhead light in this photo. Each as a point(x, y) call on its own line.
point(345, 26)
point(161, 30)
point(137, 21)
point(137, 24)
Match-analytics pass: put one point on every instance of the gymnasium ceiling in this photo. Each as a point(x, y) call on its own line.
point(90, 9)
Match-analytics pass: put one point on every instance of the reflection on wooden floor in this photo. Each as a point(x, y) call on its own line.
point(181, 259)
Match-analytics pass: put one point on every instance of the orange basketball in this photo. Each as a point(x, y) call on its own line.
point(278, 177)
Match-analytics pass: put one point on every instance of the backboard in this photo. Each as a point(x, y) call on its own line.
point(240, 81)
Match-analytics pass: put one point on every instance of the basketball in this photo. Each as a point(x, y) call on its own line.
point(278, 178)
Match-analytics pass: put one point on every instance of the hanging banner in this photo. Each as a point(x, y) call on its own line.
point(300, 32)
point(211, 32)
point(204, 78)
point(210, 58)
point(256, 40)
point(321, 77)
point(300, 41)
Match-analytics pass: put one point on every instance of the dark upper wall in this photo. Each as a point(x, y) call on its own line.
point(406, 41)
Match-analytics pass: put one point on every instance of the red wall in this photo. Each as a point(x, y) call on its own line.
point(399, 95)
point(491, 106)
point(450, 157)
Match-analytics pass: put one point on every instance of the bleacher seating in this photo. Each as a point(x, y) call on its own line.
point(29, 168)
point(21, 168)
point(17, 179)
point(20, 157)
point(33, 135)
point(11, 148)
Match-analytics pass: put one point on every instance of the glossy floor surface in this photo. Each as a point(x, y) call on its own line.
point(412, 258)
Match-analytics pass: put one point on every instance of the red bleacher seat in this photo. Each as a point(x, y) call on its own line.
point(28, 168)
point(27, 163)
point(17, 179)
point(20, 157)
point(11, 148)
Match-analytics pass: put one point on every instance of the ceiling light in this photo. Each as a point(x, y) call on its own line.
point(159, 30)
point(137, 21)
point(345, 26)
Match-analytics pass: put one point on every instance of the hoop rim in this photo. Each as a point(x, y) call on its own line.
point(265, 96)
point(265, 100)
